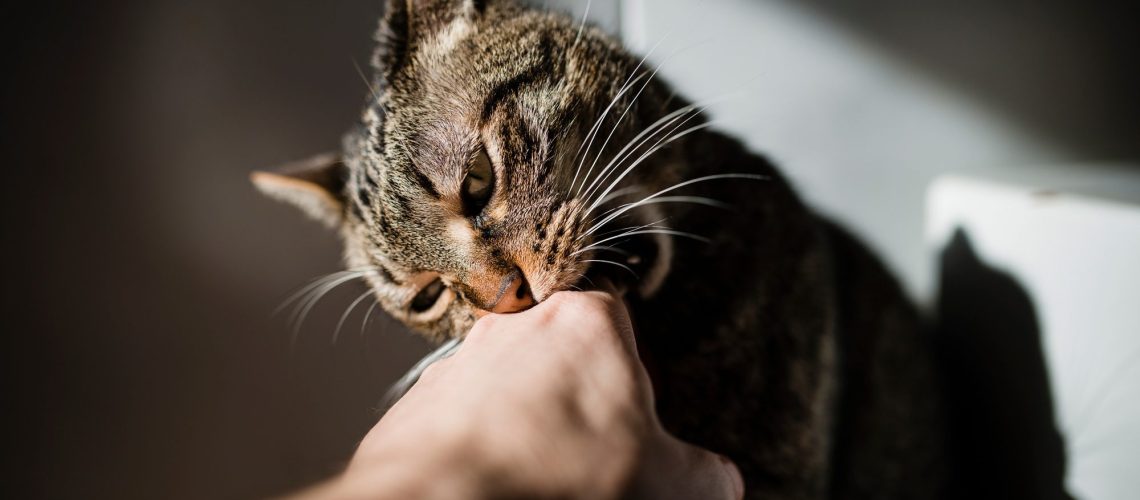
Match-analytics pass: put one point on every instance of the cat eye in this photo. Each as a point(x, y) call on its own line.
point(428, 296)
point(478, 184)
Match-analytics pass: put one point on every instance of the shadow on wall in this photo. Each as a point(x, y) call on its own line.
point(1003, 430)
point(1061, 70)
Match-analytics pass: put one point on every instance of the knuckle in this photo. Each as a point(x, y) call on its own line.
point(482, 328)
point(602, 304)
point(558, 300)
point(582, 302)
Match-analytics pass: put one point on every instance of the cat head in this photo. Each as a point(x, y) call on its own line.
point(492, 164)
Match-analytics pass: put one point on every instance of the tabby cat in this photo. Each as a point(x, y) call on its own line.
point(507, 153)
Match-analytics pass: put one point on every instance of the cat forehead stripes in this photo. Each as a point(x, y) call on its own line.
point(460, 187)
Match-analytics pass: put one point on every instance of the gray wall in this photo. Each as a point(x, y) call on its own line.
point(863, 106)
point(140, 356)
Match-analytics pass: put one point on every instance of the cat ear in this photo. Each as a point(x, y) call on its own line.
point(407, 22)
point(315, 185)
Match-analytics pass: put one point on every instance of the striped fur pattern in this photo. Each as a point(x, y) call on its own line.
point(458, 78)
point(776, 340)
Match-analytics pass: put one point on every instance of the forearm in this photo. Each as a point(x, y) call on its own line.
point(398, 478)
point(551, 403)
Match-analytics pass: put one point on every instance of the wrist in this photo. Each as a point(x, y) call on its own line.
point(398, 478)
point(395, 469)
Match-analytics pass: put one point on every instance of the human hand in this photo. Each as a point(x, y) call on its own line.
point(551, 402)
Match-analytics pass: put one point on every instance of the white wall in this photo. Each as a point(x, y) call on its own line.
point(1079, 257)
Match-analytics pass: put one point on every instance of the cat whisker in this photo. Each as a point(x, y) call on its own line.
point(674, 187)
point(655, 149)
point(368, 314)
point(652, 130)
point(588, 141)
point(587, 278)
point(368, 84)
point(696, 200)
point(636, 97)
point(626, 86)
point(624, 112)
point(626, 233)
point(621, 192)
point(314, 288)
point(605, 248)
point(661, 143)
point(638, 141)
point(693, 110)
point(623, 266)
point(665, 231)
point(592, 134)
point(316, 296)
point(309, 286)
point(582, 26)
point(627, 228)
point(347, 313)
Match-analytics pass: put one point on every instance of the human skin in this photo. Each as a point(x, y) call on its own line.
point(549, 403)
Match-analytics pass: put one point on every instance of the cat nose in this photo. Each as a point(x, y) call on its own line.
point(516, 296)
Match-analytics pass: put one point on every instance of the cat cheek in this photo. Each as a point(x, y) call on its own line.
point(460, 232)
point(498, 211)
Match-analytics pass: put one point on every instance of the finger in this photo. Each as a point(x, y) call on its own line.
point(621, 311)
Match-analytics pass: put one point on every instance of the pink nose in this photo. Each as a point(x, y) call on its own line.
point(515, 296)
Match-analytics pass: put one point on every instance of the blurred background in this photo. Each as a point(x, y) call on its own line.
point(141, 355)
